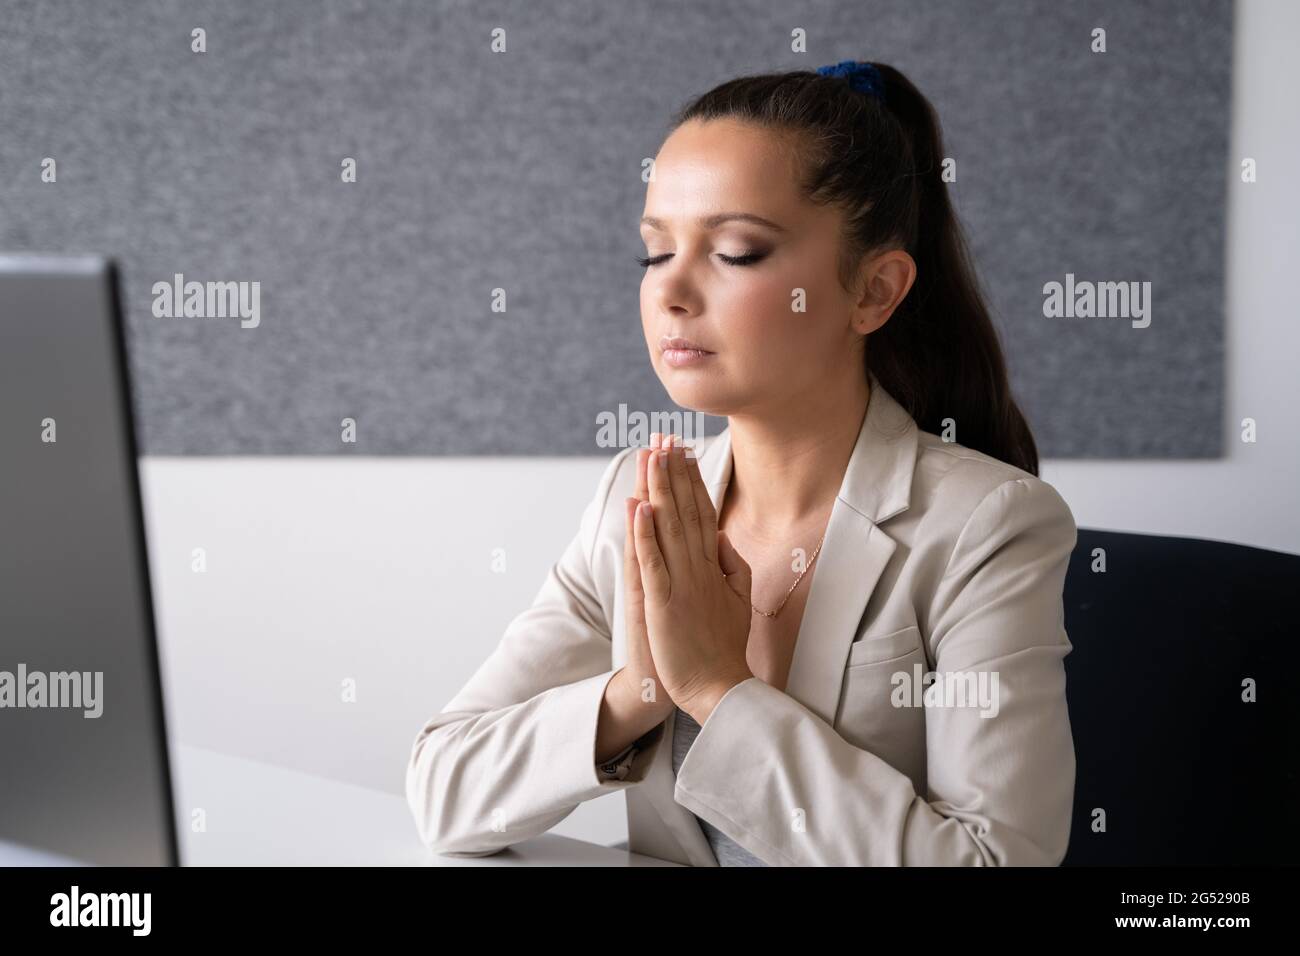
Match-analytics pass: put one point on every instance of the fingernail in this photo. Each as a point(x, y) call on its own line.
point(644, 508)
point(689, 453)
point(662, 458)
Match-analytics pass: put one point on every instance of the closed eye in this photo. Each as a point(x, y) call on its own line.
point(748, 259)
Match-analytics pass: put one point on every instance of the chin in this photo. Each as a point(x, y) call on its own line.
point(694, 392)
point(699, 398)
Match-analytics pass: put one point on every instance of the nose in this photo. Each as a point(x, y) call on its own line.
point(675, 292)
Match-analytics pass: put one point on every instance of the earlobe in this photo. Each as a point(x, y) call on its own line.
point(875, 308)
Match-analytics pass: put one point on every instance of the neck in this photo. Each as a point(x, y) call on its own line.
point(788, 464)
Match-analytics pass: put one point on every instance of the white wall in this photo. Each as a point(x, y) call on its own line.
point(321, 570)
point(378, 570)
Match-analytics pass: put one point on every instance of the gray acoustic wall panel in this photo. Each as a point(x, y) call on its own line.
point(522, 171)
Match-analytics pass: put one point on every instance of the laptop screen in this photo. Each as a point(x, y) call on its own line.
point(82, 730)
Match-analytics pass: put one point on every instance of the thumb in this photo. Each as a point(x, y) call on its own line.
point(734, 566)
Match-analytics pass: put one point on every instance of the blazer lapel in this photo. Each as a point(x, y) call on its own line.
point(876, 486)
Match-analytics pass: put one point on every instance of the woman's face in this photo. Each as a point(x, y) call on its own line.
point(763, 352)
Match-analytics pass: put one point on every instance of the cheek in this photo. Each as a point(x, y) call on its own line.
point(761, 314)
point(760, 297)
point(647, 306)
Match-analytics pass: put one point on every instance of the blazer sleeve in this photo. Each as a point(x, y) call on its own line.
point(1000, 789)
point(513, 753)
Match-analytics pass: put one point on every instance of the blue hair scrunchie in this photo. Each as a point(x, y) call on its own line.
point(863, 77)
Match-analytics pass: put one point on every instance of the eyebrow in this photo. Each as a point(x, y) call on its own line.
point(717, 219)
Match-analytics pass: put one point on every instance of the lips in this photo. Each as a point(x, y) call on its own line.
point(679, 344)
point(682, 353)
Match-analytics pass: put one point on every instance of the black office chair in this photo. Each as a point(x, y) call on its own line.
point(1186, 772)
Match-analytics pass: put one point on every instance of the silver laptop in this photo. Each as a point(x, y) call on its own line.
point(84, 773)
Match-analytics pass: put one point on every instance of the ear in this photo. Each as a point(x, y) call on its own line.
point(889, 277)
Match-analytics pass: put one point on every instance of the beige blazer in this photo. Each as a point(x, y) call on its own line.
point(936, 558)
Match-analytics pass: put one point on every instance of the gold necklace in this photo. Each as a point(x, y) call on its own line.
point(793, 586)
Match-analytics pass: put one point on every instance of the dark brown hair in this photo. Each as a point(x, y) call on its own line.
point(880, 161)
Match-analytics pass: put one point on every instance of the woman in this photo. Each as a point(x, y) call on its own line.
point(895, 694)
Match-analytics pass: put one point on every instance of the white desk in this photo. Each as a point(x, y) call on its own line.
point(258, 814)
point(15, 854)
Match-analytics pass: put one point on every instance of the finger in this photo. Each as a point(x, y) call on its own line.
point(739, 576)
point(704, 505)
point(654, 571)
point(631, 569)
point(642, 489)
point(687, 509)
point(642, 457)
point(667, 523)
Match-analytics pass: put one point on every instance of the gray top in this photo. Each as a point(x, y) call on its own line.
point(728, 851)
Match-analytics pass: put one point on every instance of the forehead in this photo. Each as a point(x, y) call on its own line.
point(706, 166)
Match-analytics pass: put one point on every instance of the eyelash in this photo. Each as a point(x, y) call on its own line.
point(748, 259)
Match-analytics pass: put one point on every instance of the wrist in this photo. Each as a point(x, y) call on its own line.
point(631, 689)
point(702, 702)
